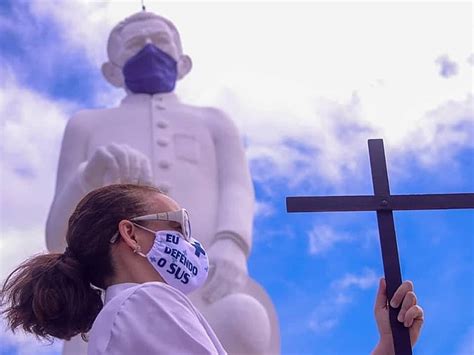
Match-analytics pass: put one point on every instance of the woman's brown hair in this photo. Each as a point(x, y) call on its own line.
point(57, 294)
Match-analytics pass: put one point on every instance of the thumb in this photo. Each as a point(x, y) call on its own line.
point(381, 299)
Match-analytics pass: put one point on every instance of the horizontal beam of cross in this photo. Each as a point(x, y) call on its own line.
point(379, 203)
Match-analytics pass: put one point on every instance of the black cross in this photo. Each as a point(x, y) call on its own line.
point(384, 204)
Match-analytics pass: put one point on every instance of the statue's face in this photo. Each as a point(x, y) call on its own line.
point(136, 35)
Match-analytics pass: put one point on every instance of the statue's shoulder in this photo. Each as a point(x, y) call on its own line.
point(206, 112)
point(220, 121)
point(213, 117)
point(89, 117)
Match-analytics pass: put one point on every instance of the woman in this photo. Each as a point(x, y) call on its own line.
point(135, 243)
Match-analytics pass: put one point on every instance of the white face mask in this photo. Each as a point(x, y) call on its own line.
point(182, 264)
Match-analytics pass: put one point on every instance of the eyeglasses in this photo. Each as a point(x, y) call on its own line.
point(181, 216)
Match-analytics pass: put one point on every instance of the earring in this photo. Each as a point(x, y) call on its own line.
point(137, 249)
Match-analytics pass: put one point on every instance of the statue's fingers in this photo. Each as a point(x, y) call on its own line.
point(112, 175)
point(146, 175)
point(120, 155)
point(134, 165)
point(113, 148)
point(400, 293)
point(99, 159)
point(112, 169)
point(408, 301)
point(97, 167)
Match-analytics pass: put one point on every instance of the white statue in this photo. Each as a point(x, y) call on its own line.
point(194, 154)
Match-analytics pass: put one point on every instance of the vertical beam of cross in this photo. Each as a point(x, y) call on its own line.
point(388, 242)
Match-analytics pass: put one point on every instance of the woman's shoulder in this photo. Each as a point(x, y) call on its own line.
point(152, 294)
point(158, 287)
point(159, 291)
point(137, 312)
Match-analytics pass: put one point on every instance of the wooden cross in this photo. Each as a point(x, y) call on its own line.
point(384, 204)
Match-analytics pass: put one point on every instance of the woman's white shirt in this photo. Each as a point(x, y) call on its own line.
point(150, 318)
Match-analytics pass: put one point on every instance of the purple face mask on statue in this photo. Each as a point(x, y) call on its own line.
point(150, 71)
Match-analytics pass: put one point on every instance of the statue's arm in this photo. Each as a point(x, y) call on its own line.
point(68, 186)
point(236, 193)
point(232, 241)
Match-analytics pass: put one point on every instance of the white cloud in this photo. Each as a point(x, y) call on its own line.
point(470, 59)
point(444, 131)
point(321, 326)
point(32, 127)
point(18, 244)
point(323, 237)
point(263, 209)
point(367, 280)
point(81, 24)
point(25, 344)
point(340, 295)
point(296, 138)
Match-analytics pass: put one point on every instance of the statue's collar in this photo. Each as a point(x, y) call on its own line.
point(162, 99)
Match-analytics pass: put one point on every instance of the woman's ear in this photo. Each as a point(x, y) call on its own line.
point(184, 66)
point(113, 74)
point(127, 232)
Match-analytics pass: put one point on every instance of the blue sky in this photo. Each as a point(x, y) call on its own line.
point(307, 84)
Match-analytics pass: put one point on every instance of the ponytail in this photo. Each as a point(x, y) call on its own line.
point(50, 295)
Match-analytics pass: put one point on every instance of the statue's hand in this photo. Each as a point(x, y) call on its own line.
point(115, 164)
point(228, 270)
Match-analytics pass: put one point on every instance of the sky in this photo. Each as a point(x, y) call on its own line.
point(307, 83)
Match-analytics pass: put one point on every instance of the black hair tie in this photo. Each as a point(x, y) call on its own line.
point(73, 260)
